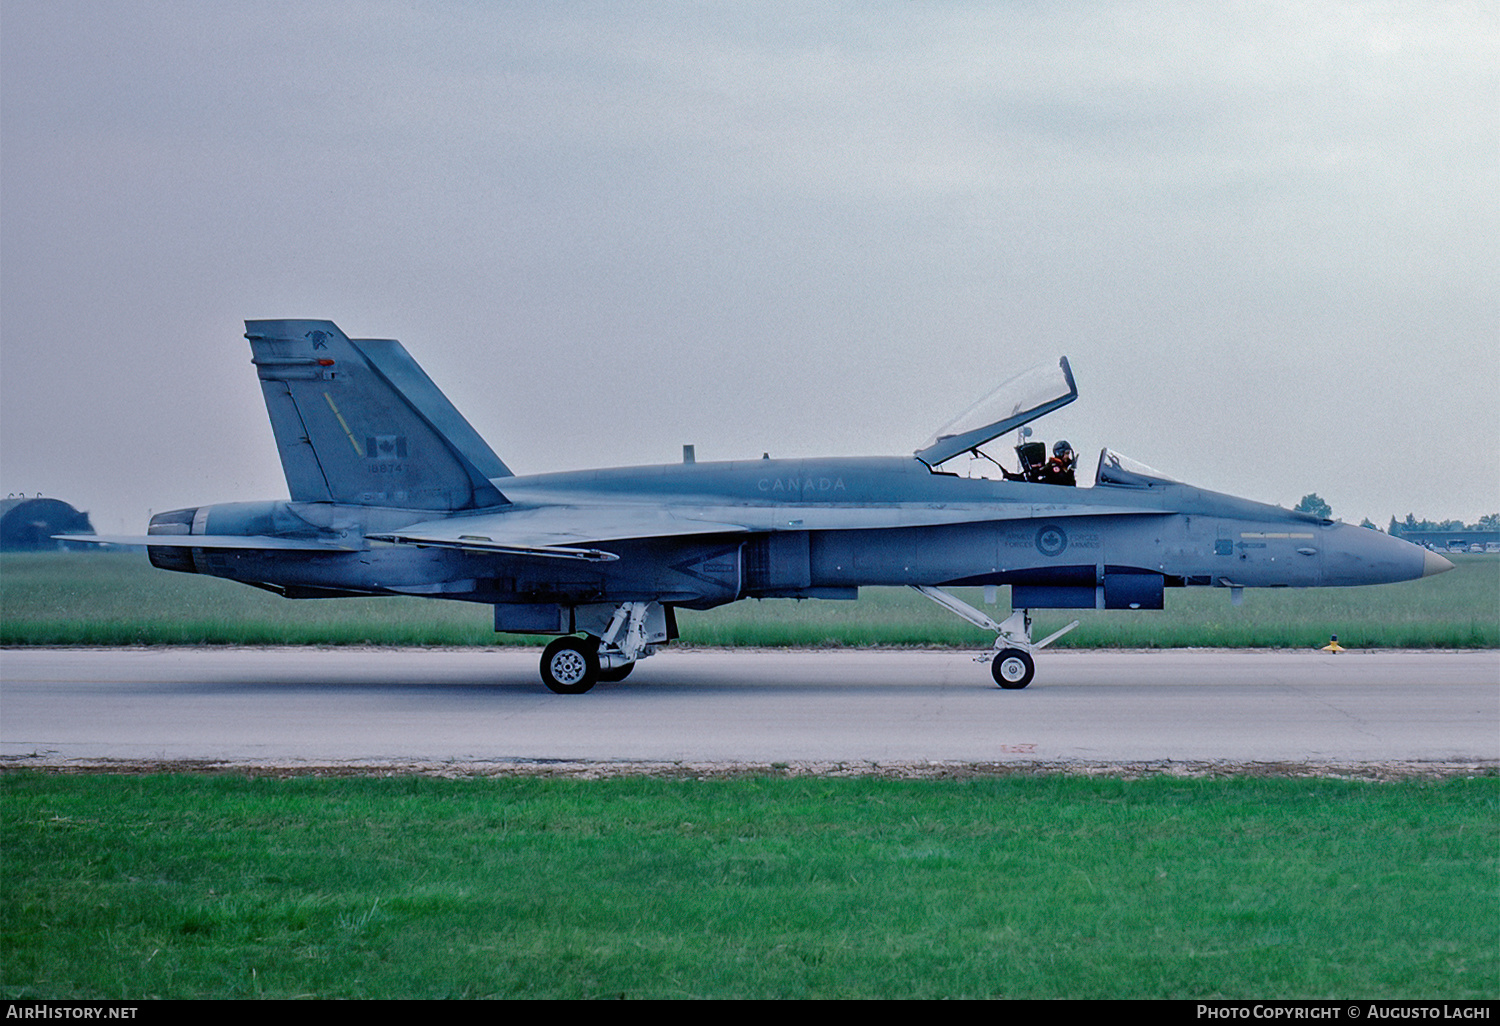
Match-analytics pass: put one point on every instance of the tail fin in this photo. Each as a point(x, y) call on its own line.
point(357, 421)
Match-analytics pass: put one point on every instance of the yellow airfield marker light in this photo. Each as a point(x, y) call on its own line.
point(1333, 645)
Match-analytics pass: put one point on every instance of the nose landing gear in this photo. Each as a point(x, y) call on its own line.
point(1012, 668)
point(1010, 659)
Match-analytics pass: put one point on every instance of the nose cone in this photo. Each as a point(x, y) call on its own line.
point(1432, 563)
point(1358, 555)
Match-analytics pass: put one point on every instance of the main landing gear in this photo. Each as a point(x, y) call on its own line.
point(1010, 659)
point(572, 665)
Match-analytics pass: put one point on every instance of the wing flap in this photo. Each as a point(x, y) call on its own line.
point(483, 543)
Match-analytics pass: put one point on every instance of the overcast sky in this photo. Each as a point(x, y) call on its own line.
point(1265, 234)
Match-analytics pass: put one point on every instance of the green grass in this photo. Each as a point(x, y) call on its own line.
point(1037, 887)
point(119, 599)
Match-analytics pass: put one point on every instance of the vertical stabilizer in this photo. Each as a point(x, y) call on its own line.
point(358, 421)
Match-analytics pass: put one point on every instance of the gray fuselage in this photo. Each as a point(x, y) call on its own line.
point(821, 528)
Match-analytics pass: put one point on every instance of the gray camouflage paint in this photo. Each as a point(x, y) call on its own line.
point(372, 451)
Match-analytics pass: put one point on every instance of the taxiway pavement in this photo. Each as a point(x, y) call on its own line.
point(303, 706)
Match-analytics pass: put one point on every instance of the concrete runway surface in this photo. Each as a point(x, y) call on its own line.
point(292, 707)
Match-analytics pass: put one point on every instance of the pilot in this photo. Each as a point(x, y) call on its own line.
point(1061, 468)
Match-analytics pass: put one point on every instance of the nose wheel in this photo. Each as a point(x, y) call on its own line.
point(1011, 664)
point(1012, 669)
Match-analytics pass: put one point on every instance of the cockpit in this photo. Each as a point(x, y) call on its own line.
point(1013, 405)
point(1037, 467)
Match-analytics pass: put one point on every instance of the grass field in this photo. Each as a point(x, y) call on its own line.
point(119, 599)
point(1036, 887)
point(222, 886)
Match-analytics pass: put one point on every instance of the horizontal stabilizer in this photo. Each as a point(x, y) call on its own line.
point(212, 541)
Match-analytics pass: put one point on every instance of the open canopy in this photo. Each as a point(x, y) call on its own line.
point(1023, 398)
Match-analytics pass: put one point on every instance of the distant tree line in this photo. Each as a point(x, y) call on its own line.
point(1314, 504)
point(1411, 525)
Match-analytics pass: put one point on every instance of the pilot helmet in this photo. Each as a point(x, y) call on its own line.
point(1061, 448)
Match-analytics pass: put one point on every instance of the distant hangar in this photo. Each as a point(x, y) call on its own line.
point(27, 524)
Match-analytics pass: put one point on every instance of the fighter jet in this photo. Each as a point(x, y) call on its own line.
point(394, 493)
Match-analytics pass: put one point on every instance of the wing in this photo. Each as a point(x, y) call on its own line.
point(558, 532)
point(574, 532)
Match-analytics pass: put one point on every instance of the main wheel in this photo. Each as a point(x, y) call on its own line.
point(570, 665)
point(616, 675)
point(1013, 669)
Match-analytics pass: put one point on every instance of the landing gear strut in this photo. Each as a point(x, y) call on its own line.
point(1010, 659)
point(572, 665)
point(615, 674)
